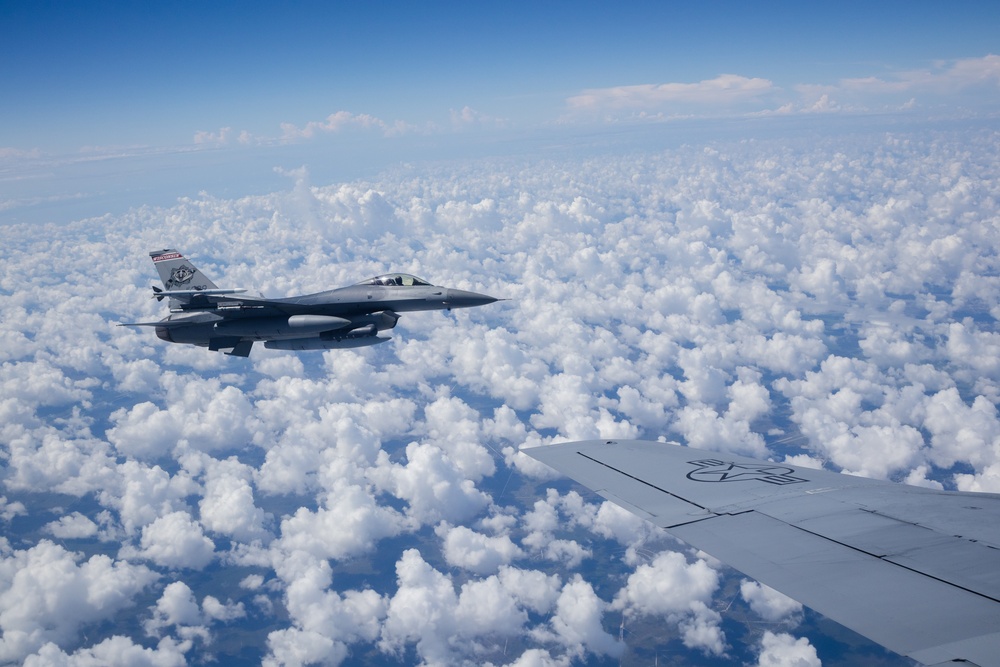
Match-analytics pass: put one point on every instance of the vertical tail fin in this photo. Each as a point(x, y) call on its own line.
point(177, 273)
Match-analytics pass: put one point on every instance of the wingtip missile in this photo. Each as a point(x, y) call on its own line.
point(159, 294)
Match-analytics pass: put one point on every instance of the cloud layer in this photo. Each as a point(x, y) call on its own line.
point(831, 301)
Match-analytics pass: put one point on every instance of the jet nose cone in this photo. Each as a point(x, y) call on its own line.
point(458, 298)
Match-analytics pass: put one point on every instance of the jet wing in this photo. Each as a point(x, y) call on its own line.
point(914, 569)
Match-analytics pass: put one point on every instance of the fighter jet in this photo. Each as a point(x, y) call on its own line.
point(226, 320)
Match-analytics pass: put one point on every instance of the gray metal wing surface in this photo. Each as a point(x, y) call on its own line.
point(914, 569)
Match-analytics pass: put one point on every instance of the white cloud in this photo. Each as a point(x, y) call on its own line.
point(704, 428)
point(784, 650)
point(427, 610)
point(419, 605)
point(72, 526)
point(116, 651)
point(178, 614)
point(177, 607)
point(735, 94)
point(223, 136)
point(46, 459)
point(431, 483)
point(474, 551)
point(538, 658)
point(47, 595)
point(669, 584)
point(202, 415)
point(292, 646)
point(8, 510)
point(533, 589)
point(541, 524)
point(341, 121)
point(145, 431)
point(142, 494)
point(325, 621)
point(469, 117)
point(576, 623)
point(680, 591)
point(723, 89)
point(830, 408)
point(606, 519)
point(946, 77)
point(227, 506)
point(349, 522)
point(39, 383)
point(770, 604)
point(454, 427)
point(175, 540)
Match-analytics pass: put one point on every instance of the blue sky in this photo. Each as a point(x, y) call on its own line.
point(98, 74)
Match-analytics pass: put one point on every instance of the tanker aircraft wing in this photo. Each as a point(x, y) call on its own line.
point(230, 321)
point(914, 569)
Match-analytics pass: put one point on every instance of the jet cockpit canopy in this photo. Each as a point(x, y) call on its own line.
point(396, 280)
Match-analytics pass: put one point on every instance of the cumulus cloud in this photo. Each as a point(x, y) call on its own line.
point(227, 506)
point(427, 610)
point(679, 591)
point(476, 552)
point(576, 623)
point(176, 540)
point(325, 621)
point(72, 526)
point(47, 594)
point(784, 650)
point(350, 521)
point(177, 607)
point(431, 483)
point(116, 651)
point(454, 428)
point(8, 510)
point(541, 524)
point(141, 494)
point(770, 604)
point(201, 415)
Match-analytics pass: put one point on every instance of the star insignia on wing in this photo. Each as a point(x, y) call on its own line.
point(715, 470)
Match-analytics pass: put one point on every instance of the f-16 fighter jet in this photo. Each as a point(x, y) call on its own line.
point(226, 320)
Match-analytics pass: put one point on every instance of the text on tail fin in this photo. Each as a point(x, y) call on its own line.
point(177, 273)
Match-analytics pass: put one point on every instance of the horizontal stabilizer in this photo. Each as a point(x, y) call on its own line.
point(197, 292)
point(160, 323)
point(187, 294)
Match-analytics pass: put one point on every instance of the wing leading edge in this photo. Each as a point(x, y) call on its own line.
point(914, 569)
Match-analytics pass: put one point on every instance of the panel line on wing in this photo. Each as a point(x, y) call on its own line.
point(905, 610)
point(894, 559)
point(642, 481)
